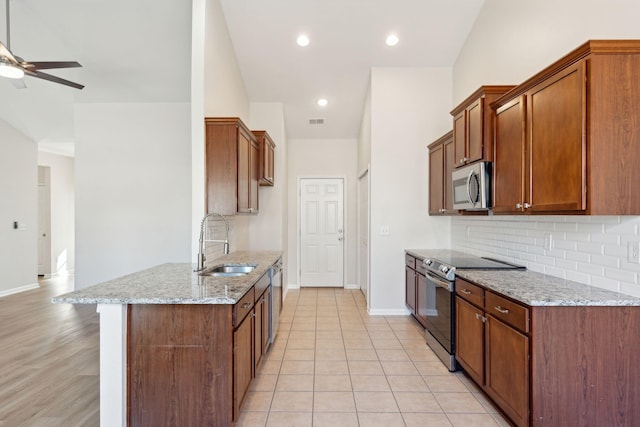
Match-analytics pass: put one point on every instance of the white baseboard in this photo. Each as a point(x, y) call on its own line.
point(351, 286)
point(292, 286)
point(19, 289)
point(348, 286)
point(389, 312)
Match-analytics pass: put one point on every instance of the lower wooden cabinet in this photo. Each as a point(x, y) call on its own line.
point(416, 289)
point(550, 365)
point(242, 361)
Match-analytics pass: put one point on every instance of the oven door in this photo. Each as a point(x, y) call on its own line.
point(440, 311)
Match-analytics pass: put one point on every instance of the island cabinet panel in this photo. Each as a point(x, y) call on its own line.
point(176, 374)
point(243, 369)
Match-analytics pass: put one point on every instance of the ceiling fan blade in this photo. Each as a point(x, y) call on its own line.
point(51, 78)
point(50, 65)
point(18, 83)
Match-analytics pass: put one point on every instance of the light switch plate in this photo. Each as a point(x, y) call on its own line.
point(384, 230)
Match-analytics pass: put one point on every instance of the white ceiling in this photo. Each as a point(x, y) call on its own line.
point(140, 51)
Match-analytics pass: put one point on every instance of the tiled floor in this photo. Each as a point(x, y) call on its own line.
point(334, 365)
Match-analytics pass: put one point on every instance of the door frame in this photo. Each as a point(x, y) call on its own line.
point(45, 260)
point(364, 257)
point(345, 210)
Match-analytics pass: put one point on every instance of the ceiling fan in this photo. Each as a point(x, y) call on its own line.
point(15, 68)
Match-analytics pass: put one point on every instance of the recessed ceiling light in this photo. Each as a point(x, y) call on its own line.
point(392, 40)
point(302, 40)
point(322, 102)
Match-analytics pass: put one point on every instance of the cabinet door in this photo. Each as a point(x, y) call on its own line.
point(436, 183)
point(410, 288)
point(460, 139)
point(242, 361)
point(421, 299)
point(507, 369)
point(254, 175)
point(475, 131)
point(470, 339)
point(448, 169)
point(509, 157)
point(244, 172)
point(556, 117)
point(266, 161)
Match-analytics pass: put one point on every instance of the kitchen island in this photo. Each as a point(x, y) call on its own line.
point(177, 348)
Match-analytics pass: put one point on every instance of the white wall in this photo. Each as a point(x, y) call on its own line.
point(18, 202)
point(62, 180)
point(511, 41)
point(364, 138)
point(133, 188)
point(320, 158)
point(409, 110)
point(217, 90)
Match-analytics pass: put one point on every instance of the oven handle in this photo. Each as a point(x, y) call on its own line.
point(438, 281)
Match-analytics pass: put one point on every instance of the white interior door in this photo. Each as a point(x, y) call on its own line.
point(322, 232)
point(44, 221)
point(363, 234)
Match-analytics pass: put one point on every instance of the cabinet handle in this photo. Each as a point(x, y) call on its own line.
point(442, 210)
point(481, 317)
point(501, 310)
point(246, 305)
point(527, 205)
point(518, 205)
point(465, 291)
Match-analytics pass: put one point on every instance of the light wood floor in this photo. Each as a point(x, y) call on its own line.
point(49, 360)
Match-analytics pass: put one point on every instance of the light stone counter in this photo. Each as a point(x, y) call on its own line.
point(177, 284)
point(535, 289)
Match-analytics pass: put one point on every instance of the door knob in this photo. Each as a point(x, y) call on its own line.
point(340, 239)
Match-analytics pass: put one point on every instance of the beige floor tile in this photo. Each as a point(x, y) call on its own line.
point(329, 335)
point(328, 326)
point(445, 383)
point(295, 383)
point(257, 401)
point(502, 422)
point(373, 419)
point(302, 335)
point(264, 382)
point(292, 401)
point(357, 343)
point(270, 366)
point(459, 402)
point(347, 334)
point(409, 401)
point(290, 419)
point(393, 355)
point(361, 354)
point(435, 367)
point(333, 401)
point(407, 383)
point(330, 354)
point(472, 420)
point(421, 354)
point(486, 403)
point(335, 419)
point(370, 383)
point(332, 383)
point(292, 367)
point(386, 344)
point(398, 368)
point(382, 335)
point(331, 367)
point(365, 367)
point(299, 343)
point(375, 401)
point(252, 419)
point(471, 386)
point(274, 354)
point(331, 343)
point(303, 326)
point(417, 419)
point(299, 354)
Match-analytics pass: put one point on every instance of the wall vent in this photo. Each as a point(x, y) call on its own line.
point(316, 121)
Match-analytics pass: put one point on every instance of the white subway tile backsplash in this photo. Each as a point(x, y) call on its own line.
point(587, 249)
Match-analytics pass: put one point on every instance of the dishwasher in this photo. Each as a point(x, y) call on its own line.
point(276, 299)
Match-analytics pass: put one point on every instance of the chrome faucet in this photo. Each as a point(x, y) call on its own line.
point(201, 256)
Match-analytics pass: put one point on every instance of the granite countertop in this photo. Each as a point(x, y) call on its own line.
point(176, 283)
point(536, 289)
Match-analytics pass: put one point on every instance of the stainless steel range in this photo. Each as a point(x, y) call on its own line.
point(441, 267)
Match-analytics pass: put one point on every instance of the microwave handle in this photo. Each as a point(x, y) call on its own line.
point(469, 188)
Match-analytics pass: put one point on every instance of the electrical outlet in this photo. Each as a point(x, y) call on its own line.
point(548, 241)
point(633, 252)
point(384, 230)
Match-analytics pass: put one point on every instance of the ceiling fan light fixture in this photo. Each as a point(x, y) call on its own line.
point(10, 71)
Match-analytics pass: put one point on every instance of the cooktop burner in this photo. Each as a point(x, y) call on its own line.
point(446, 262)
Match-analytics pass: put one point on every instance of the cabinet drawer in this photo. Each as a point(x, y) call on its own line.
point(410, 261)
point(243, 307)
point(420, 268)
point(508, 311)
point(470, 292)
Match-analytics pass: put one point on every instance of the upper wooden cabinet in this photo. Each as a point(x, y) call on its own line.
point(440, 168)
point(473, 126)
point(567, 139)
point(267, 152)
point(232, 156)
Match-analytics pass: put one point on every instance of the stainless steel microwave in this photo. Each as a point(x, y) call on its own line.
point(472, 187)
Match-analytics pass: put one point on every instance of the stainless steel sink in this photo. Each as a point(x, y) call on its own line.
point(228, 270)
